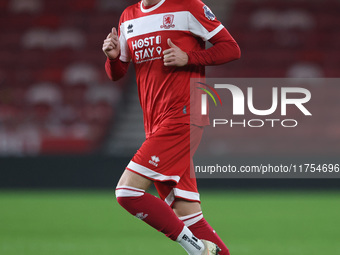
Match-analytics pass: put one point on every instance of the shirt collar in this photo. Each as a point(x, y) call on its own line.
point(151, 8)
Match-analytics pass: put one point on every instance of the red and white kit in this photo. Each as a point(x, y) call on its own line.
point(164, 92)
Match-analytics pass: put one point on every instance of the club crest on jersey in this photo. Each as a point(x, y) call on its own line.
point(208, 13)
point(168, 21)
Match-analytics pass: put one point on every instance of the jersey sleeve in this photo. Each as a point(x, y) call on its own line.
point(202, 21)
point(224, 50)
point(124, 48)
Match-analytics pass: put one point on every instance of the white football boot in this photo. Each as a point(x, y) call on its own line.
point(210, 248)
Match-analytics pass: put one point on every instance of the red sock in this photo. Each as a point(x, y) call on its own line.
point(150, 209)
point(203, 230)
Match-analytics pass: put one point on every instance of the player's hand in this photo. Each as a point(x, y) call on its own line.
point(175, 56)
point(111, 46)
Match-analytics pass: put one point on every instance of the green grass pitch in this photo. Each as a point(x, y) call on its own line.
point(251, 223)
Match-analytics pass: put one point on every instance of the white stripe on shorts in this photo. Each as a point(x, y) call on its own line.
point(188, 195)
point(150, 173)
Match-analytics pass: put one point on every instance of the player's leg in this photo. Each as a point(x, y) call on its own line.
point(163, 157)
point(132, 179)
point(189, 211)
point(131, 195)
point(191, 214)
point(184, 207)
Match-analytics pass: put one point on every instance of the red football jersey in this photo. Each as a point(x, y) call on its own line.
point(164, 92)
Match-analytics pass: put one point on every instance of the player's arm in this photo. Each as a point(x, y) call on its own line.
point(114, 67)
point(224, 50)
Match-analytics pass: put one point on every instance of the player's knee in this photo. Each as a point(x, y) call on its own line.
point(126, 195)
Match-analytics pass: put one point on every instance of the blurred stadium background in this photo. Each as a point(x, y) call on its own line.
point(64, 126)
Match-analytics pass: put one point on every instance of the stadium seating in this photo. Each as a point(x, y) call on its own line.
point(268, 30)
point(52, 79)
